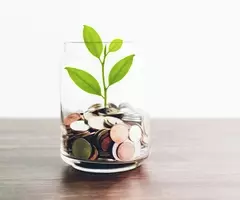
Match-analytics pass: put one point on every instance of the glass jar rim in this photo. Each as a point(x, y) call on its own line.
point(104, 42)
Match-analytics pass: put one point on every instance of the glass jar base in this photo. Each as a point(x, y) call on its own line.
point(100, 167)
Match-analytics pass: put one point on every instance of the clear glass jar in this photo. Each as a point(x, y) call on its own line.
point(107, 131)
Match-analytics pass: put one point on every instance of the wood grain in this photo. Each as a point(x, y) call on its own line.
point(190, 159)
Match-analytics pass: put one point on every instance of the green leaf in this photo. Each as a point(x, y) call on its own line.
point(120, 69)
point(84, 80)
point(92, 41)
point(115, 45)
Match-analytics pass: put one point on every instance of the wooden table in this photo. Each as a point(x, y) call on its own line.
point(190, 159)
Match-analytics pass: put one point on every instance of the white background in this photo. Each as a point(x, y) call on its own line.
point(192, 52)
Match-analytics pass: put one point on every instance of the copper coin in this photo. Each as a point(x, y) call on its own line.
point(106, 143)
point(100, 135)
point(72, 118)
point(126, 151)
point(119, 133)
point(95, 154)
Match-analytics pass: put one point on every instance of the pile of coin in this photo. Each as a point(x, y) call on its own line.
point(111, 132)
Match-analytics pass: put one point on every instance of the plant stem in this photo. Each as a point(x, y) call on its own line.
point(103, 79)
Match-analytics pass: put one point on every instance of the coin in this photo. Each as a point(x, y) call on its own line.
point(119, 133)
point(125, 105)
point(114, 151)
point(126, 151)
point(131, 119)
point(109, 111)
point(79, 126)
point(88, 115)
point(81, 148)
point(99, 131)
point(105, 154)
point(95, 107)
point(100, 108)
point(95, 154)
point(112, 105)
point(71, 118)
point(114, 112)
point(106, 143)
point(135, 133)
point(96, 122)
point(102, 111)
point(69, 130)
point(100, 136)
point(113, 120)
point(107, 124)
point(84, 134)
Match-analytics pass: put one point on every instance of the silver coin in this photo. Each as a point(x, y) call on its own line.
point(88, 115)
point(111, 105)
point(131, 119)
point(79, 126)
point(135, 133)
point(113, 120)
point(125, 105)
point(114, 151)
point(133, 115)
point(127, 111)
point(96, 122)
point(107, 123)
point(102, 112)
point(110, 112)
point(95, 107)
point(98, 107)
